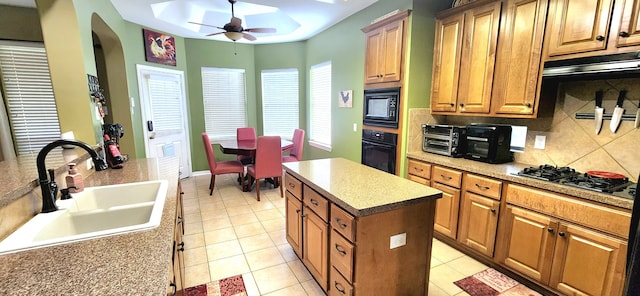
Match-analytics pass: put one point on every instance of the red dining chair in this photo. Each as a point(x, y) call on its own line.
point(295, 149)
point(268, 162)
point(222, 167)
point(246, 133)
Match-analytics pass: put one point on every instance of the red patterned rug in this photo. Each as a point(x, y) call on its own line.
point(490, 282)
point(231, 286)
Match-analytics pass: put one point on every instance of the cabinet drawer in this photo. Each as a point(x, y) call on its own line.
point(293, 185)
point(418, 179)
point(316, 202)
point(341, 255)
point(578, 211)
point(483, 186)
point(338, 286)
point(446, 176)
point(419, 169)
point(343, 222)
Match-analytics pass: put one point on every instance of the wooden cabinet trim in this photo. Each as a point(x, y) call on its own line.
point(581, 212)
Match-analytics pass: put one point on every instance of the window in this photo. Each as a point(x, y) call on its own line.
point(30, 103)
point(320, 129)
point(225, 102)
point(280, 102)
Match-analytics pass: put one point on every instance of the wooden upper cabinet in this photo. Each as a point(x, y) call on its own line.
point(629, 31)
point(478, 58)
point(578, 26)
point(517, 75)
point(464, 60)
point(384, 53)
point(446, 63)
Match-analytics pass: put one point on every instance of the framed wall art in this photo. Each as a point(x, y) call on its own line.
point(159, 48)
point(346, 99)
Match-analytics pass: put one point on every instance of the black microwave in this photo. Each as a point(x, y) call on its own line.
point(381, 107)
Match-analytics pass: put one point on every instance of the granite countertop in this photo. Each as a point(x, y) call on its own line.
point(508, 172)
point(359, 189)
point(135, 263)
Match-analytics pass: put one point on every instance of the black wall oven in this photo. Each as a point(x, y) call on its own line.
point(381, 107)
point(379, 150)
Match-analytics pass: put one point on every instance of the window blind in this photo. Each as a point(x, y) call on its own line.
point(29, 95)
point(225, 102)
point(165, 95)
point(280, 102)
point(320, 129)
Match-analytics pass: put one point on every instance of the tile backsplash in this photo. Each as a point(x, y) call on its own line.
point(569, 141)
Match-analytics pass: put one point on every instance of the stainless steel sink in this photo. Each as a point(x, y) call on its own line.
point(95, 212)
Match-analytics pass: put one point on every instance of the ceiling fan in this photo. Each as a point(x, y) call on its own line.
point(234, 30)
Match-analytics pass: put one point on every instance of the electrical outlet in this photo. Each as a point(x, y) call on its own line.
point(398, 240)
point(89, 164)
point(540, 142)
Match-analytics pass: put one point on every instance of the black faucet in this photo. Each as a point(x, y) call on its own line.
point(49, 187)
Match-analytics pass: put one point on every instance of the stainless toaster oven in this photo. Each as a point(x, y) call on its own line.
point(446, 140)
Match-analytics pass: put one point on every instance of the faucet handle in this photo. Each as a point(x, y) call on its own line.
point(100, 164)
point(51, 175)
point(64, 192)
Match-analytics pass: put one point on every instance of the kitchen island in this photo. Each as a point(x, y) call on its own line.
point(359, 230)
point(134, 263)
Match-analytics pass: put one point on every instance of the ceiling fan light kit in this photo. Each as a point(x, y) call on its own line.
point(234, 30)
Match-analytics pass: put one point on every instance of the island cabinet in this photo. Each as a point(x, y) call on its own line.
point(594, 27)
point(177, 265)
point(568, 245)
point(464, 59)
point(448, 181)
point(385, 46)
point(358, 238)
point(479, 212)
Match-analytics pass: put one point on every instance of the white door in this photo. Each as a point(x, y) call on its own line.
point(164, 116)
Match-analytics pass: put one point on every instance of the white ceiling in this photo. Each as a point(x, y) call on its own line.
point(294, 20)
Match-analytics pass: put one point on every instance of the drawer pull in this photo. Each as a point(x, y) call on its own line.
point(181, 249)
point(418, 169)
point(339, 287)
point(446, 177)
point(550, 230)
point(340, 250)
point(482, 187)
point(314, 202)
point(291, 185)
point(340, 223)
point(561, 233)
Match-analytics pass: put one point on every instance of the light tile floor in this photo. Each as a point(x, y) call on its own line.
point(231, 233)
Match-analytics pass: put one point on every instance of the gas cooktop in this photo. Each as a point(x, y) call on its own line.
point(604, 182)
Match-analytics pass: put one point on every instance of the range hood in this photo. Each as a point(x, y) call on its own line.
point(622, 65)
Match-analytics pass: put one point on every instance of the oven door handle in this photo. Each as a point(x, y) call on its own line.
point(386, 145)
point(477, 139)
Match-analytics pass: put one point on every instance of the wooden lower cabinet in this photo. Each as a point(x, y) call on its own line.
point(447, 207)
point(570, 259)
point(177, 265)
point(478, 223)
point(294, 223)
point(314, 244)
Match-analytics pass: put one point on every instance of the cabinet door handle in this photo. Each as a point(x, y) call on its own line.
point(623, 34)
point(339, 287)
point(461, 105)
point(340, 223)
point(600, 38)
point(340, 250)
point(179, 220)
point(298, 211)
point(175, 288)
point(550, 230)
point(482, 187)
point(314, 202)
point(451, 104)
point(493, 211)
point(561, 233)
point(446, 177)
point(181, 249)
point(528, 105)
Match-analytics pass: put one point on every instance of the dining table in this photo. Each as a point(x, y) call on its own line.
point(246, 147)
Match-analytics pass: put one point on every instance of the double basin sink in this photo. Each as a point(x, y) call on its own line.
point(95, 212)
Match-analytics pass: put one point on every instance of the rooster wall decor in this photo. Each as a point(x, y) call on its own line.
point(234, 30)
point(159, 48)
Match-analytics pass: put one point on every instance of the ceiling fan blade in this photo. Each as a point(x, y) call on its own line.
point(235, 22)
point(206, 25)
point(213, 34)
point(248, 37)
point(261, 30)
